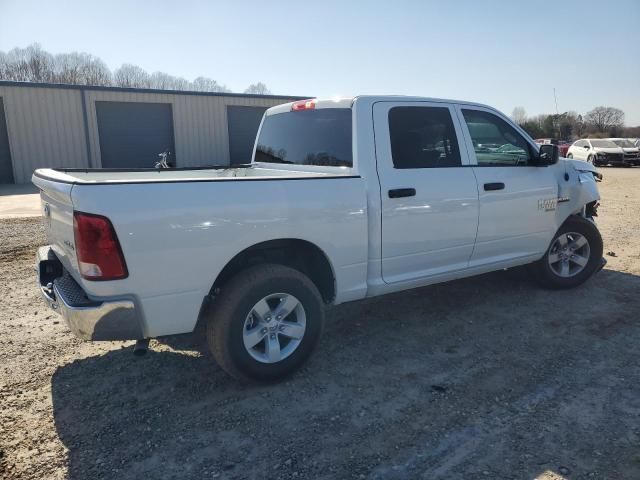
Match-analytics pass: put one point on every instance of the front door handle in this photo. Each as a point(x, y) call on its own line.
point(493, 186)
point(402, 192)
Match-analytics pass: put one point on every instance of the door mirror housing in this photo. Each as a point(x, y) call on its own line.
point(586, 147)
point(547, 155)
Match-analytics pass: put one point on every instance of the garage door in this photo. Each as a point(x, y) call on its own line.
point(6, 170)
point(133, 134)
point(243, 123)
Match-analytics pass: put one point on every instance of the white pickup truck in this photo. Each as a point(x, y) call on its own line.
point(344, 199)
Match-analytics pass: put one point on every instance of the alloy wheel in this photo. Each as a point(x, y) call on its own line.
point(569, 254)
point(274, 328)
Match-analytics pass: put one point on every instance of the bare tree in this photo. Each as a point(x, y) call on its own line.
point(164, 81)
point(519, 115)
point(96, 72)
point(204, 84)
point(80, 69)
point(4, 65)
point(180, 83)
point(40, 64)
point(258, 89)
point(605, 118)
point(31, 64)
point(131, 76)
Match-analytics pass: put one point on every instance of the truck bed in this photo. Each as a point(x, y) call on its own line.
point(118, 176)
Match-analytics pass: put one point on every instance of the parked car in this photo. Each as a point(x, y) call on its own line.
point(563, 145)
point(631, 151)
point(597, 152)
point(344, 199)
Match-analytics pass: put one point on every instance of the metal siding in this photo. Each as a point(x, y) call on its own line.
point(45, 129)
point(46, 126)
point(6, 166)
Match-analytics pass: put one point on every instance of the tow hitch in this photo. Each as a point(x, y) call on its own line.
point(141, 347)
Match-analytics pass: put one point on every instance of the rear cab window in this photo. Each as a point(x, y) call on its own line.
point(320, 137)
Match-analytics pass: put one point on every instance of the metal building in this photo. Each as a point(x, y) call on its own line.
point(48, 125)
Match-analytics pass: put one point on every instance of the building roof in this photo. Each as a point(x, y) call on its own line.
point(10, 83)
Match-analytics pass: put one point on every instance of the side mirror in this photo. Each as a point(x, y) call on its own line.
point(586, 147)
point(547, 155)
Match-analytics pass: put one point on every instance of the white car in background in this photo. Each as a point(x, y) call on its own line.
point(630, 149)
point(597, 152)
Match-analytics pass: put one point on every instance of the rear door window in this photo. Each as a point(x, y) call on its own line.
point(307, 137)
point(423, 137)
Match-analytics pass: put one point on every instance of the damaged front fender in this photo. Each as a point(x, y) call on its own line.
point(578, 190)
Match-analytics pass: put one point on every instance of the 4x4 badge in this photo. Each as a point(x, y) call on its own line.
point(547, 204)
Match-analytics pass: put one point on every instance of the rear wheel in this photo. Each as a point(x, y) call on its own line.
point(265, 322)
point(574, 255)
point(569, 155)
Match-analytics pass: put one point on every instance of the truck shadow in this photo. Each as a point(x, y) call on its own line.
point(456, 378)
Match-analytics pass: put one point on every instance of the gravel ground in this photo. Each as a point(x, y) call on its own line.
point(489, 377)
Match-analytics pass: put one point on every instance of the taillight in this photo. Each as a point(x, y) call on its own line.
point(97, 248)
point(303, 105)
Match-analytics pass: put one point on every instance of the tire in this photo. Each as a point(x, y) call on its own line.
point(569, 155)
point(550, 274)
point(591, 160)
point(233, 314)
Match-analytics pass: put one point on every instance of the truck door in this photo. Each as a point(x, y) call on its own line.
point(517, 200)
point(428, 192)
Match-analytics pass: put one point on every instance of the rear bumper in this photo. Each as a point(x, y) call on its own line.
point(88, 319)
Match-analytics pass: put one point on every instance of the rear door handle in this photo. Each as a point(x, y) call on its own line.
point(494, 186)
point(402, 192)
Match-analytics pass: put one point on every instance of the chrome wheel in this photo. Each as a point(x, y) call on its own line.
point(274, 328)
point(569, 254)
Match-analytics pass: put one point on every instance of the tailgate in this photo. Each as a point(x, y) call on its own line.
point(57, 215)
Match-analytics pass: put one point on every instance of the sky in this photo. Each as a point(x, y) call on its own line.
point(502, 53)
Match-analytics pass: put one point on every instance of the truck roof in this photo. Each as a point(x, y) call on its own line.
point(347, 102)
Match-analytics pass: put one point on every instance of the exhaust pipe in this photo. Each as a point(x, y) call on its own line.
point(141, 347)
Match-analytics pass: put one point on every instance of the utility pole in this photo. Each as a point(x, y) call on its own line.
point(557, 119)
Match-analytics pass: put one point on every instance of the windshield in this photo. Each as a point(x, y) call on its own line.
point(603, 144)
point(622, 142)
point(307, 137)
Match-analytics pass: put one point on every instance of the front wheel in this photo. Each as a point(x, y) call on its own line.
point(569, 155)
point(265, 322)
point(574, 255)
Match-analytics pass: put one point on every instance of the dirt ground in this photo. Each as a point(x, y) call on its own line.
point(489, 377)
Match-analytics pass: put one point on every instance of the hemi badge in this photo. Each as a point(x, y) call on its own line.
point(547, 204)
